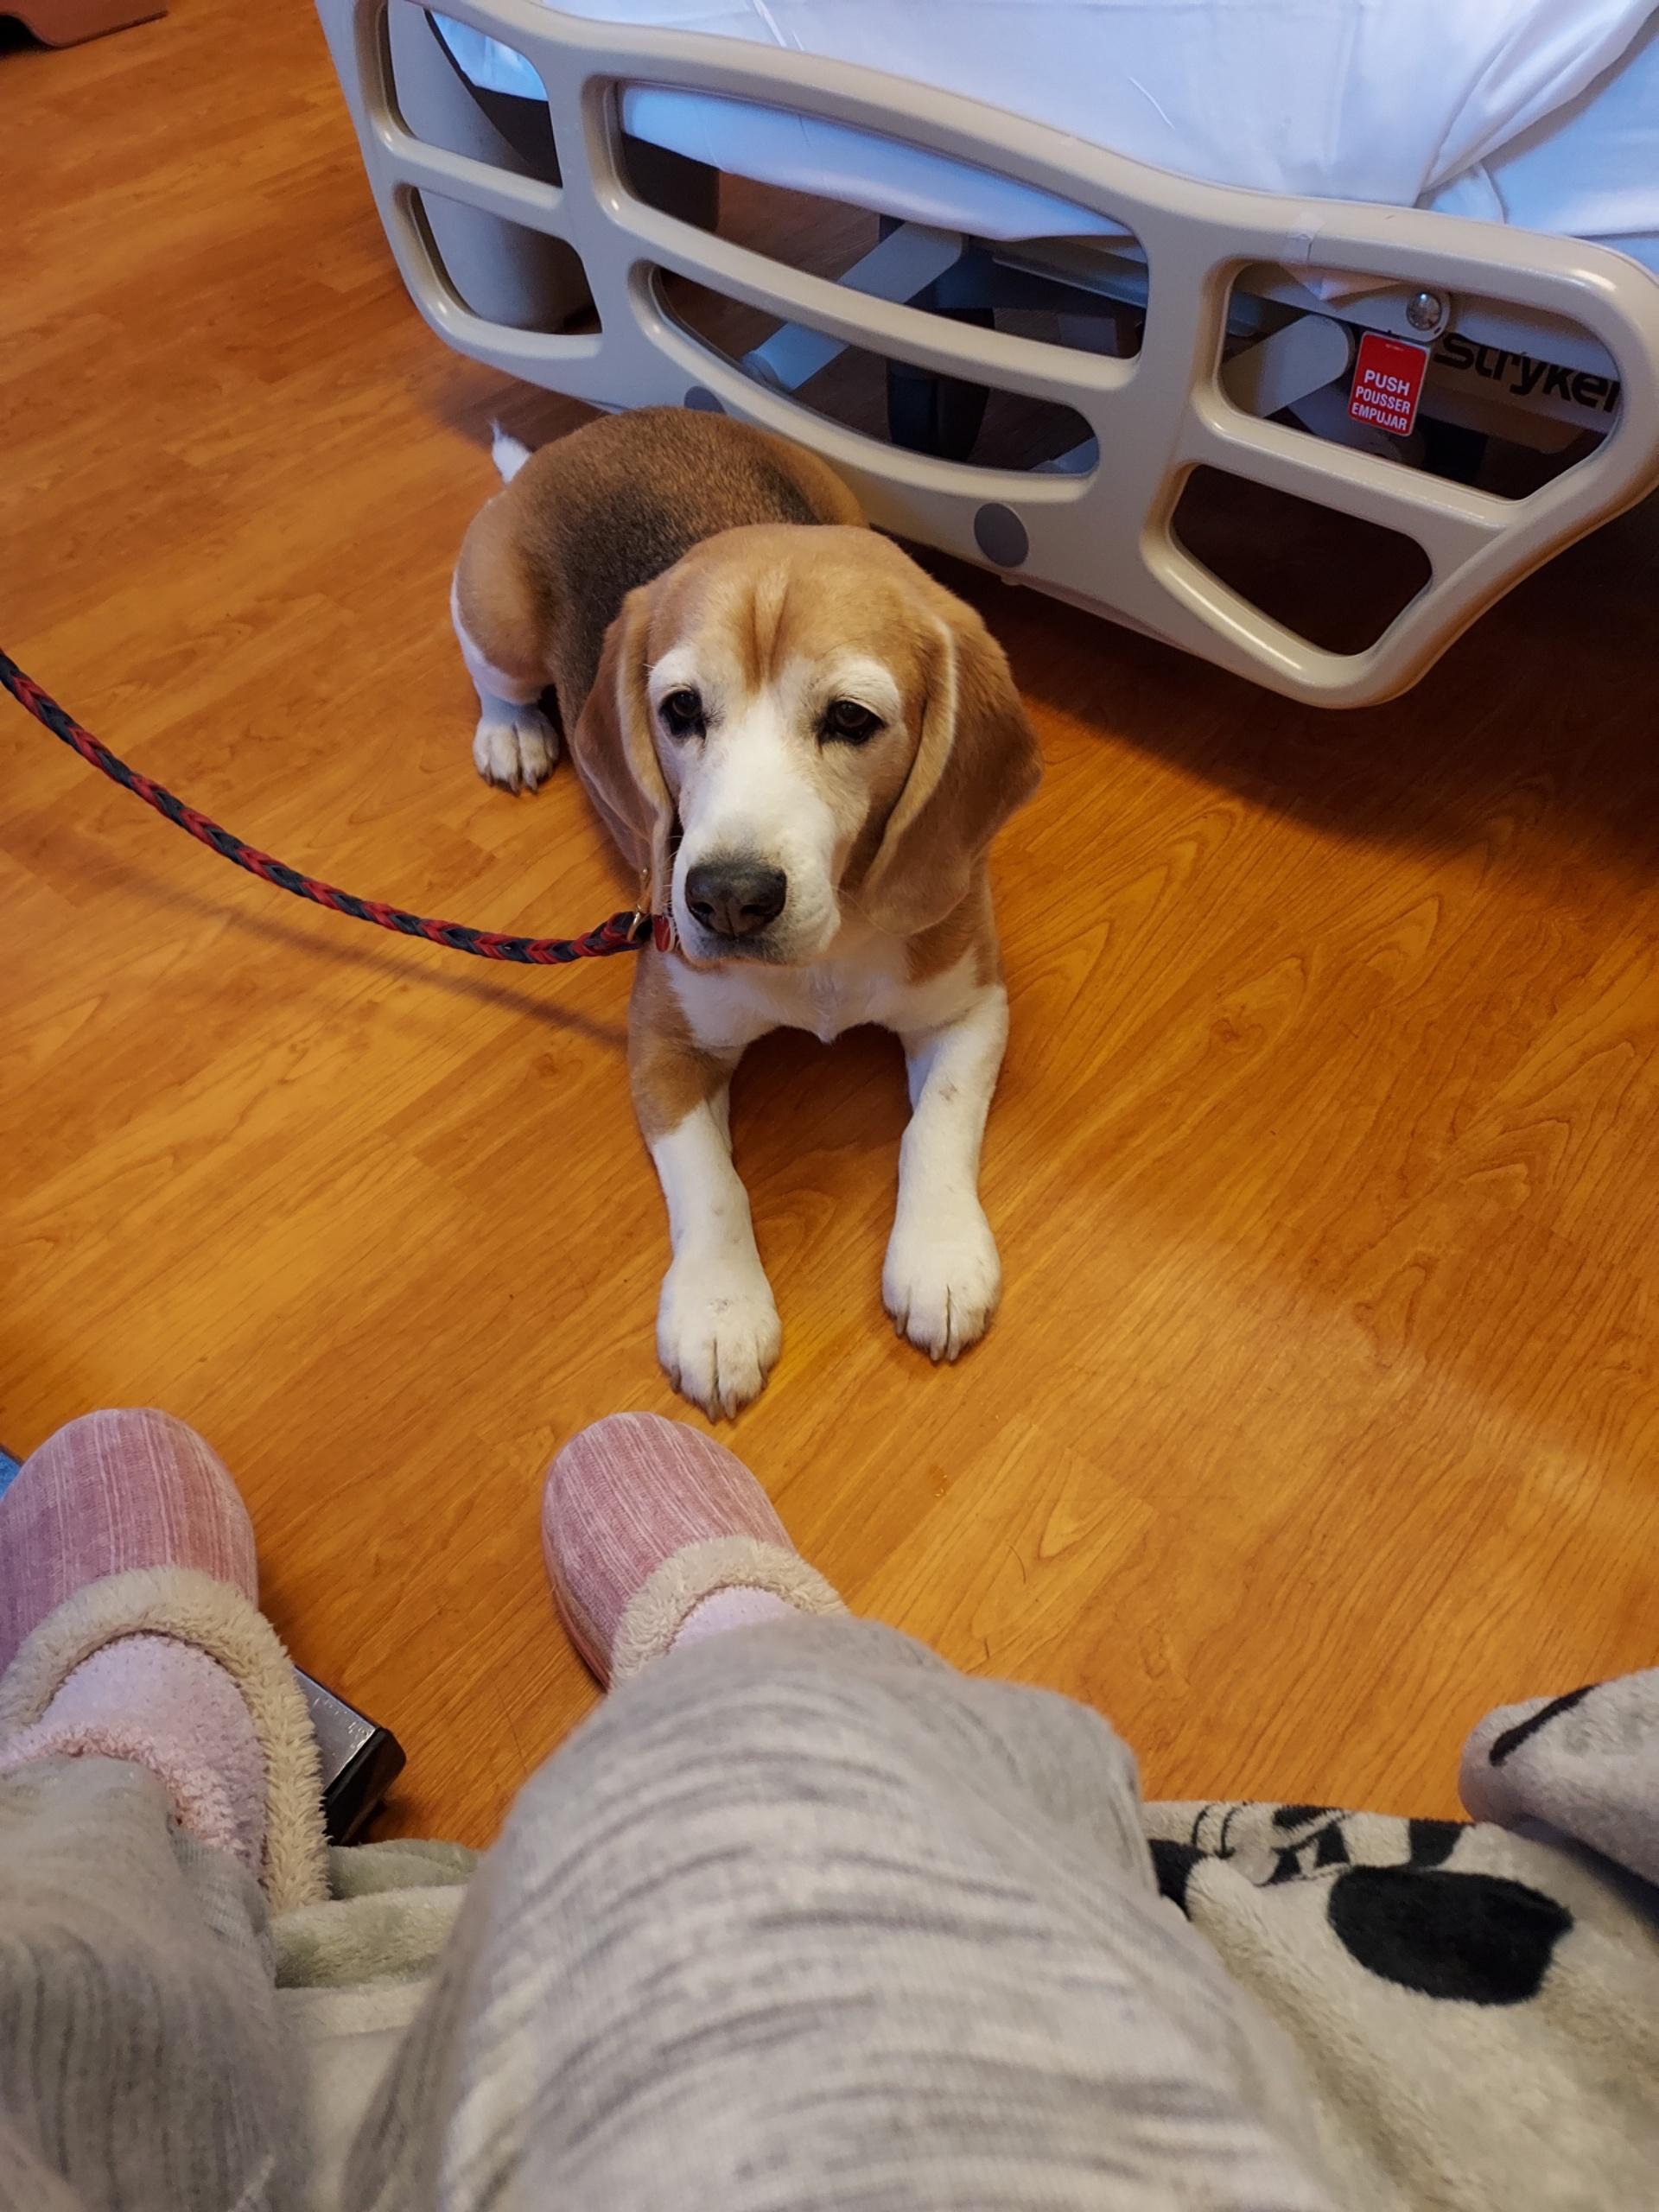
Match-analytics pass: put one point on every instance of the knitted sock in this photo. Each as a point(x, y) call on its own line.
point(162, 1704)
point(729, 1609)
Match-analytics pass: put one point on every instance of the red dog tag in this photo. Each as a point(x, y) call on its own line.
point(1388, 383)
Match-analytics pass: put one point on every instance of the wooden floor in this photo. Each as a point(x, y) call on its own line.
point(1322, 1411)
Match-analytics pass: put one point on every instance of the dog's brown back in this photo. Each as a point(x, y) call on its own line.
point(620, 500)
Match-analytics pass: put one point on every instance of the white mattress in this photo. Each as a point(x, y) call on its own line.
point(1539, 112)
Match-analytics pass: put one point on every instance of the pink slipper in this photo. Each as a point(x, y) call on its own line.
point(129, 1629)
point(644, 1521)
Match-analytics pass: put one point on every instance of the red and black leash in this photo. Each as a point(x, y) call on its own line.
point(622, 933)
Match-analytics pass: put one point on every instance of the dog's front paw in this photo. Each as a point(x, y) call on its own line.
point(943, 1277)
point(718, 1334)
point(515, 747)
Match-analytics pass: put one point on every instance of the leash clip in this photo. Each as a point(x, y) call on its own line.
point(658, 927)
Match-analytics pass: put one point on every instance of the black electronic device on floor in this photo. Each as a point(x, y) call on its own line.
point(361, 1761)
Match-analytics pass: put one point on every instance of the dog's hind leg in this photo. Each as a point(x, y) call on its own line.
point(501, 632)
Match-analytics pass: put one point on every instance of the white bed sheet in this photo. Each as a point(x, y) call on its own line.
point(1539, 112)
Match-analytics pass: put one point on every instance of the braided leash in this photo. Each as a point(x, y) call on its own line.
point(622, 933)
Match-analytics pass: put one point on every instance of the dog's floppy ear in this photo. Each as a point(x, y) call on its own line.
point(976, 761)
point(614, 748)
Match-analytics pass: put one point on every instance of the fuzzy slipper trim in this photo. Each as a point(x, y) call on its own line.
point(182, 1602)
point(656, 1612)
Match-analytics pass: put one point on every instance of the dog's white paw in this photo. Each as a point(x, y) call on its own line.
point(718, 1334)
point(943, 1277)
point(515, 747)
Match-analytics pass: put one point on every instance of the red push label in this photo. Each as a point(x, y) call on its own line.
point(1389, 376)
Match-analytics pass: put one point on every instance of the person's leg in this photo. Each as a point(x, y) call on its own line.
point(156, 1768)
point(803, 1918)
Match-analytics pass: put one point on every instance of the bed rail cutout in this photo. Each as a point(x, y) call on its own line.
point(1332, 579)
point(504, 271)
point(499, 270)
point(1509, 400)
point(879, 396)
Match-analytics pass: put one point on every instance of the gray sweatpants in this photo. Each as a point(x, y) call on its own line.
point(801, 1918)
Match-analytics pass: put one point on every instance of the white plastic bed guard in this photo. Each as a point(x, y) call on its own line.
point(1097, 534)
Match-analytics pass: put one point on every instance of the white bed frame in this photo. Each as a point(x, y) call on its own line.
point(1093, 527)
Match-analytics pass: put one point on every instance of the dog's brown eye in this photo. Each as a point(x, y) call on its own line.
point(846, 720)
point(682, 713)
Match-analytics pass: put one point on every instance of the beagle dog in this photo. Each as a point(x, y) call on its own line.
point(806, 746)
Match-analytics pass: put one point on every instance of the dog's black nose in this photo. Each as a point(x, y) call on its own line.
point(736, 897)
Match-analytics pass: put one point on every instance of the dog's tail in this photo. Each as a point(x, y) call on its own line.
point(509, 454)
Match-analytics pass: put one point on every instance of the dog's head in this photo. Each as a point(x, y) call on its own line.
point(801, 728)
